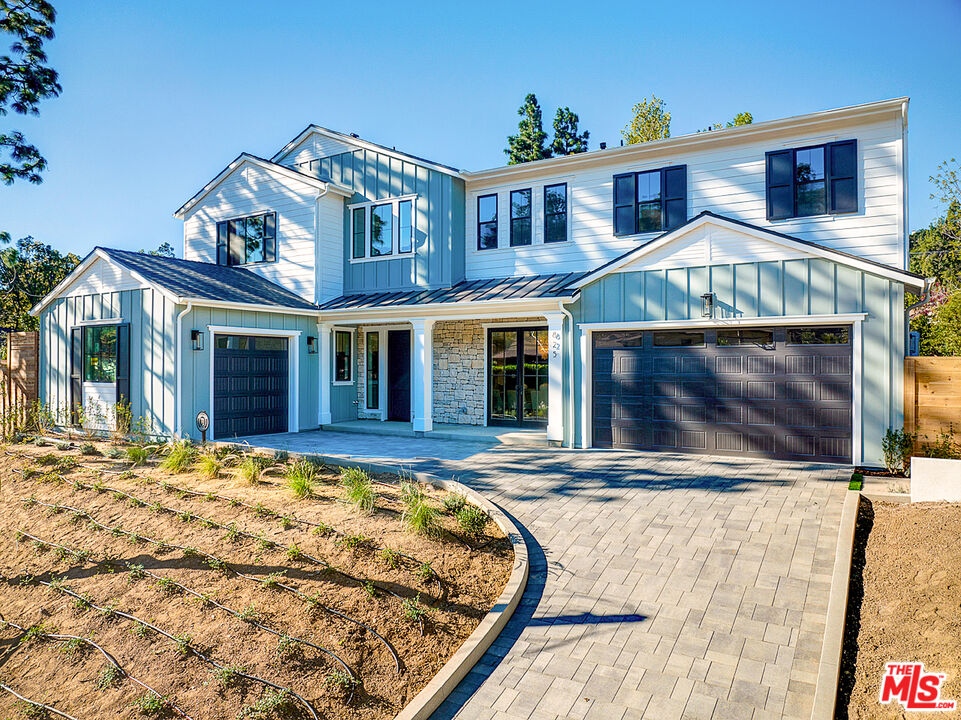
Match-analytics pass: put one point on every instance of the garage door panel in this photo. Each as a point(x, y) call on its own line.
point(835, 391)
point(761, 389)
point(760, 365)
point(667, 365)
point(693, 365)
point(729, 441)
point(834, 417)
point(729, 414)
point(799, 365)
point(761, 415)
point(728, 365)
point(693, 440)
point(693, 413)
point(835, 365)
point(251, 386)
point(726, 389)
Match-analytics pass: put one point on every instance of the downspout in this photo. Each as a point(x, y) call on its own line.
point(570, 368)
point(178, 403)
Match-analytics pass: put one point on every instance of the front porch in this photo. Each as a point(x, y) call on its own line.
point(490, 435)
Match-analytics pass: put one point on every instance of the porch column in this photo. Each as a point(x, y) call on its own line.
point(555, 377)
point(326, 361)
point(422, 382)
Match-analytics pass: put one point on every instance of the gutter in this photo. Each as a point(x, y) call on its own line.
point(178, 403)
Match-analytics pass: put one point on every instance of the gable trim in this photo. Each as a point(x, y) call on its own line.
point(909, 279)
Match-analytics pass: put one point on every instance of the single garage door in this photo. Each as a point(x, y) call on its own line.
point(762, 392)
point(250, 385)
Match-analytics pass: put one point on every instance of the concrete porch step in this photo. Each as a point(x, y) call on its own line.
point(445, 431)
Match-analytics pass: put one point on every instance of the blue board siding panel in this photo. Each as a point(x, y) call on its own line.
point(746, 290)
point(722, 285)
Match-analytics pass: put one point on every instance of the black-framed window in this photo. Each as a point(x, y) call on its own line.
point(555, 213)
point(521, 229)
point(745, 336)
point(486, 222)
point(360, 232)
point(819, 336)
point(381, 230)
point(812, 180)
point(650, 201)
point(100, 353)
point(247, 240)
point(678, 338)
point(372, 345)
point(405, 226)
point(343, 353)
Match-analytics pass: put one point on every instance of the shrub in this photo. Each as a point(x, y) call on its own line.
point(229, 675)
point(896, 446)
point(109, 677)
point(114, 453)
point(281, 456)
point(250, 470)
point(421, 518)
point(454, 503)
point(425, 572)
point(138, 454)
point(413, 610)
point(472, 519)
point(944, 447)
point(151, 705)
point(300, 478)
point(358, 489)
point(63, 446)
point(88, 449)
point(273, 704)
point(180, 457)
point(209, 466)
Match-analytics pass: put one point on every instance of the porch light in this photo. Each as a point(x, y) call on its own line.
point(311, 345)
point(196, 340)
point(707, 305)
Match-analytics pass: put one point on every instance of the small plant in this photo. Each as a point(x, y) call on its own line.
point(411, 493)
point(114, 453)
point(294, 552)
point(356, 542)
point(233, 533)
point(180, 457)
point(127, 475)
point(322, 529)
point(73, 647)
point(190, 552)
point(454, 503)
point(896, 446)
point(425, 572)
point(250, 470)
point(31, 710)
point(273, 704)
point(389, 557)
point(109, 677)
point(229, 675)
point(88, 449)
point(288, 648)
point(151, 705)
point(182, 642)
point(141, 631)
point(943, 447)
point(358, 489)
point(339, 679)
point(250, 613)
point(185, 516)
point(62, 446)
point(168, 586)
point(138, 454)
point(285, 522)
point(47, 459)
point(217, 564)
point(413, 611)
point(136, 572)
point(272, 581)
point(421, 518)
point(370, 589)
point(281, 456)
point(472, 520)
point(300, 478)
point(40, 442)
point(210, 466)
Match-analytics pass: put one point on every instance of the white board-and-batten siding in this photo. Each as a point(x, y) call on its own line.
point(725, 178)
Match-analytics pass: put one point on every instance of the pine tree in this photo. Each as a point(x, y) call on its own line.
point(650, 122)
point(528, 144)
point(567, 139)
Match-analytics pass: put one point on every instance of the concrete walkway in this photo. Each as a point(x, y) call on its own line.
point(662, 586)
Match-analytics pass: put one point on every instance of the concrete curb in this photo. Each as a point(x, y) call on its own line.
point(466, 656)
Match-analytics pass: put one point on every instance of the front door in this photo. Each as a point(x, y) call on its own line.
point(398, 375)
point(517, 376)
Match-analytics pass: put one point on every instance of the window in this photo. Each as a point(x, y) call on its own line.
point(360, 232)
point(618, 339)
point(818, 336)
point(100, 353)
point(678, 338)
point(405, 226)
point(729, 338)
point(342, 356)
point(486, 222)
point(381, 230)
point(247, 240)
point(373, 370)
point(555, 213)
point(650, 201)
point(817, 180)
point(520, 217)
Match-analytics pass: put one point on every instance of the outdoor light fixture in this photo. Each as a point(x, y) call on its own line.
point(311, 345)
point(197, 339)
point(707, 305)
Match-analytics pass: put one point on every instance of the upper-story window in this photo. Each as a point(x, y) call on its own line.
point(815, 180)
point(555, 213)
point(247, 240)
point(486, 222)
point(382, 229)
point(521, 228)
point(650, 201)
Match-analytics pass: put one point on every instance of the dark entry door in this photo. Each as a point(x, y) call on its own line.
point(517, 376)
point(398, 375)
point(765, 392)
point(250, 385)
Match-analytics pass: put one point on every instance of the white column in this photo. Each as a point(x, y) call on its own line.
point(422, 382)
point(555, 377)
point(326, 362)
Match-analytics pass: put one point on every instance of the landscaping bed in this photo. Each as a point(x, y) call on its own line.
point(904, 602)
point(239, 586)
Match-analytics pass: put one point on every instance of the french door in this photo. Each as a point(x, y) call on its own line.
point(517, 376)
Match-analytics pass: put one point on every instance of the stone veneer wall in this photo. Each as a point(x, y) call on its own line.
point(459, 370)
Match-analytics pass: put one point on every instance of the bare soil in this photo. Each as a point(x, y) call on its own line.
point(905, 603)
point(472, 572)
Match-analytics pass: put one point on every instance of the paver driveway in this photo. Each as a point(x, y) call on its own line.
point(662, 586)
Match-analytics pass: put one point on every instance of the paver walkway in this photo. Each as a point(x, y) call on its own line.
point(662, 586)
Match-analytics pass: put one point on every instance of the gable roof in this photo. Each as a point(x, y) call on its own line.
point(364, 144)
point(910, 279)
point(269, 166)
point(184, 281)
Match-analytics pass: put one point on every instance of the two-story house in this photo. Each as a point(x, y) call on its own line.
point(738, 291)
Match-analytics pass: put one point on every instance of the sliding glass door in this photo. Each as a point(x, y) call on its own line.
point(517, 376)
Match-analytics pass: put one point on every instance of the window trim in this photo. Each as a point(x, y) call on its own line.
point(225, 224)
point(846, 329)
point(367, 206)
point(664, 199)
point(352, 348)
point(829, 202)
point(495, 222)
point(529, 217)
point(565, 214)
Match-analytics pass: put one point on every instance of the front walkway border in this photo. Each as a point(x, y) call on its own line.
point(466, 656)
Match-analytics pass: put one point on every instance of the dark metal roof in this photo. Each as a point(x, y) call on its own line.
point(206, 281)
point(516, 288)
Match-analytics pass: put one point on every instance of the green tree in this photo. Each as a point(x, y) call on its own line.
point(164, 250)
point(651, 121)
point(935, 251)
point(941, 331)
point(528, 144)
point(567, 139)
point(742, 118)
point(28, 271)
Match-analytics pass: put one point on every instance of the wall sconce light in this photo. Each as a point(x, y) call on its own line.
point(197, 339)
point(311, 345)
point(707, 305)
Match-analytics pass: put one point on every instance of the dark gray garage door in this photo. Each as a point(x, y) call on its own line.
point(763, 392)
point(250, 385)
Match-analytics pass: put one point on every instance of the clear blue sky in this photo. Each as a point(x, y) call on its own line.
point(159, 96)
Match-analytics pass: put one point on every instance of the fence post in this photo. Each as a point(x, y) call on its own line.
point(910, 395)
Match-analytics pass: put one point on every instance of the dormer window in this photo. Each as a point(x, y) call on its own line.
point(247, 240)
point(382, 229)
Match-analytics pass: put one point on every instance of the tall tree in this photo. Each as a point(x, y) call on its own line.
point(651, 121)
point(28, 271)
point(567, 139)
point(528, 144)
point(742, 118)
point(164, 250)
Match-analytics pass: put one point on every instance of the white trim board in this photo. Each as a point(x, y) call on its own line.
point(780, 320)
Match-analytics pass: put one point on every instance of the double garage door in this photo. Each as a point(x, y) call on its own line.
point(250, 385)
point(777, 392)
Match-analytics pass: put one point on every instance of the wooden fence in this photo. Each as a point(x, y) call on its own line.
point(932, 397)
point(18, 379)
